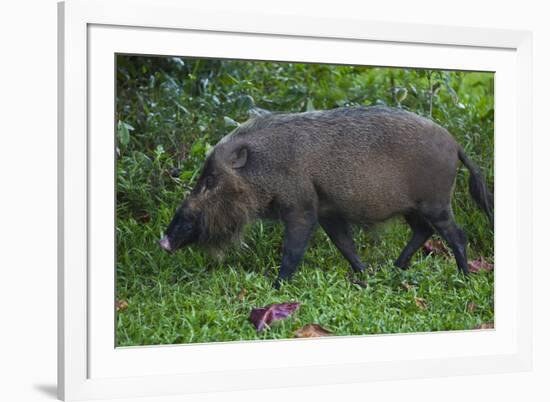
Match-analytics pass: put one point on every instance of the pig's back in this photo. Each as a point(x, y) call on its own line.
point(372, 163)
point(365, 163)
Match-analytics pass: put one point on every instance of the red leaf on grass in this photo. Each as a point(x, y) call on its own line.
point(480, 265)
point(312, 331)
point(264, 316)
point(436, 247)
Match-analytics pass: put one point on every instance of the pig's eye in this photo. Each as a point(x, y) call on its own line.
point(210, 182)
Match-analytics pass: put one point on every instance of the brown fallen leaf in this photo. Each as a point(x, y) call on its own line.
point(362, 284)
point(311, 331)
point(471, 307)
point(264, 316)
point(485, 325)
point(121, 305)
point(242, 294)
point(144, 218)
point(421, 303)
point(480, 264)
point(358, 282)
point(406, 285)
point(434, 246)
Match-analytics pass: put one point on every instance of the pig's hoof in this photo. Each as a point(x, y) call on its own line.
point(401, 265)
point(359, 268)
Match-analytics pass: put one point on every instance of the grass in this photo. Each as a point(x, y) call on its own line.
point(168, 117)
point(190, 297)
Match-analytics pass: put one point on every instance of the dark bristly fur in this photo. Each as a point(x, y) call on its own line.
point(334, 168)
point(226, 212)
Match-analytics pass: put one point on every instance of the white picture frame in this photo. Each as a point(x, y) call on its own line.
point(91, 32)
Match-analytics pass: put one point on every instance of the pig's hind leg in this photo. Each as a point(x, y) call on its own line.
point(442, 220)
point(339, 231)
point(421, 231)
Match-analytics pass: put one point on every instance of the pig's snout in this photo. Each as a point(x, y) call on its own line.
point(165, 244)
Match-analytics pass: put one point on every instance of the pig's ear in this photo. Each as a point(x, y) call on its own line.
point(238, 158)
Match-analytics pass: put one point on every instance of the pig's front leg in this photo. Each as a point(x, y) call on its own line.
point(298, 230)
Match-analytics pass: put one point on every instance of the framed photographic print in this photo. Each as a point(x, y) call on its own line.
point(247, 202)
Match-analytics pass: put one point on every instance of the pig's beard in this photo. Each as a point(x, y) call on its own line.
point(223, 221)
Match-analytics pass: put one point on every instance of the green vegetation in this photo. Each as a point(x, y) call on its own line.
point(170, 111)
